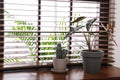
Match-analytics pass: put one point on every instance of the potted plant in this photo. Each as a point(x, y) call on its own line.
point(91, 58)
point(60, 60)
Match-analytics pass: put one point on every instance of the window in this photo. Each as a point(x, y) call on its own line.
point(30, 30)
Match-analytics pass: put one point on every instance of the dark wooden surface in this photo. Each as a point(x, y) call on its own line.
point(107, 73)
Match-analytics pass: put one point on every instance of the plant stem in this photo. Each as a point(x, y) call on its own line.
point(87, 42)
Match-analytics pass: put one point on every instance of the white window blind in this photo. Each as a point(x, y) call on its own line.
point(32, 29)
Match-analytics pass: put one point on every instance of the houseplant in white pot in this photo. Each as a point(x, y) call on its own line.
point(92, 58)
point(60, 60)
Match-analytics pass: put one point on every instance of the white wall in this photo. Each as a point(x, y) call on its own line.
point(117, 34)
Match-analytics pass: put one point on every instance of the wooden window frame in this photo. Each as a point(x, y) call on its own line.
point(1, 33)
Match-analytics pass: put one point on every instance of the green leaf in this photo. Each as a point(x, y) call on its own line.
point(89, 23)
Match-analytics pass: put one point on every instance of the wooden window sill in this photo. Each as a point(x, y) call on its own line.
point(107, 72)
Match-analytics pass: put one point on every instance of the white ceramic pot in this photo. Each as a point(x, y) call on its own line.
point(59, 65)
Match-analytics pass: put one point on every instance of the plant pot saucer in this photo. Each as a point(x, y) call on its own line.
point(53, 70)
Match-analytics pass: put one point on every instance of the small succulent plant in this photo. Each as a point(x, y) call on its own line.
point(60, 53)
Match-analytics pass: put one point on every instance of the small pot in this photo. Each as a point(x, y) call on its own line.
point(59, 65)
point(92, 61)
